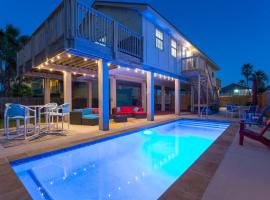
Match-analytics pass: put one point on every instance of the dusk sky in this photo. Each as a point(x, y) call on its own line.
point(231, 32)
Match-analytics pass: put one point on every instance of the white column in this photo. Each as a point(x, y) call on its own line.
point(47, 93)
point(90, 94)
point(163, 97)
point(143, 94)
point(103, 94)
point(191, 98)
point(199, 95)
point(67, 80)
point(113, 92)
point(177, 96)
point(150, 96)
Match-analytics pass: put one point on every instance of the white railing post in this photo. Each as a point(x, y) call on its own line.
point(115, 38)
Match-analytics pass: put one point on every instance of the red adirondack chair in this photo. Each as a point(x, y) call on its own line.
point(258, 136)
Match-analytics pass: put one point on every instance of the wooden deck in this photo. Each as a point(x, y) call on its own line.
point(76, 28)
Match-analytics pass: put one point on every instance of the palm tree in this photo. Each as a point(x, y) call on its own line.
point(10, 42)
point(246, 71)
point(261, 78)
point(241, 82)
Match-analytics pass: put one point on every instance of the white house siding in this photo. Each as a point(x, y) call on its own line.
point(130, 18)
point(154, 57)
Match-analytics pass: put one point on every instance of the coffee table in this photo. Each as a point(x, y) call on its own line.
point(119, 118)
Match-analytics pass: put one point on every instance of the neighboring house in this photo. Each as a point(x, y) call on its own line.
point(234, 89)
point(111, 44)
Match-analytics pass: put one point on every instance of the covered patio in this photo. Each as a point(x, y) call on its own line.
point(107, 80)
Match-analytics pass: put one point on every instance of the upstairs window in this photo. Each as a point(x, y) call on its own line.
point(173, 48)
point(159, 39)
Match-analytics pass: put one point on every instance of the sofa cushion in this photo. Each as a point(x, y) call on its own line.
point(124, 113)
point(87, 111)
point(140, 113)
point(90, 116)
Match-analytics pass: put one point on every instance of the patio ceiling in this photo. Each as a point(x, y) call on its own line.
point(85, 68)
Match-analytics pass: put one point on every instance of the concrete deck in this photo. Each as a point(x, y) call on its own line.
point(242, 169)
point(244, 173)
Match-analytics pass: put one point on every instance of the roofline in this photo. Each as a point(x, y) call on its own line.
point(157, 12)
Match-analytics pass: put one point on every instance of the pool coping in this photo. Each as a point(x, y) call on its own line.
point(194, 182)
point(15, 189)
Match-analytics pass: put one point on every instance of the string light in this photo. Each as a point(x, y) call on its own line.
point(58, 57)
point(85, 59)
point(69, 55)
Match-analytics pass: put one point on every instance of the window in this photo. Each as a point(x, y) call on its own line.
point(159, 39)
point(173, 48)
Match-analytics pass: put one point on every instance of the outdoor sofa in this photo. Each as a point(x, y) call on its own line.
point(85, 116)
point(130, 111)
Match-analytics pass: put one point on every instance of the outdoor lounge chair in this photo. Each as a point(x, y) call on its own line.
point(231, 109)
point(258, 136)
point(256, 117)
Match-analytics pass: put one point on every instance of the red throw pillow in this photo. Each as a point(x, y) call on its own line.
point(95, 111)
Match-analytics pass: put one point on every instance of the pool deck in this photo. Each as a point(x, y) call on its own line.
point(204, 180)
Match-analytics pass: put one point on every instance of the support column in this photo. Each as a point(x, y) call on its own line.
point(47, 93)
point(163, 97)
point(67, 80)
point(150, 96)
point(90, 94)
point(143, 94)
point(199, 95)
point(191, 98)
point(177, 96)
point(103, 94)
point(113, 92)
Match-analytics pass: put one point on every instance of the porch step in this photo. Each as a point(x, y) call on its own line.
point(203, 124)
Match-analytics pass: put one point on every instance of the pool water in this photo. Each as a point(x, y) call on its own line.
point(139, 165)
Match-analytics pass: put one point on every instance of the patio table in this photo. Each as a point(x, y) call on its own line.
point(38, 111)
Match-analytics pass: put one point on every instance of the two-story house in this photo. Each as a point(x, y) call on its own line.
point(126, 47)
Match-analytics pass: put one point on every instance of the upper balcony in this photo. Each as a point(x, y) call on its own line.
point(76, 27)
point(193, 64)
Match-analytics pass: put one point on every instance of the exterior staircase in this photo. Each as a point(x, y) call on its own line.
point(204, 93)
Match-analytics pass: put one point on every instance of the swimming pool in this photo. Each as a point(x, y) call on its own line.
point(138, 165)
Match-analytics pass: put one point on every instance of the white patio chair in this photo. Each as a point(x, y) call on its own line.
point(62, 112)
point(46, 111)
point(19, 112)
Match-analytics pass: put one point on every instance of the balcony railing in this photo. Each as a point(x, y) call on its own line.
point(193, 63)
point(73, 20)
